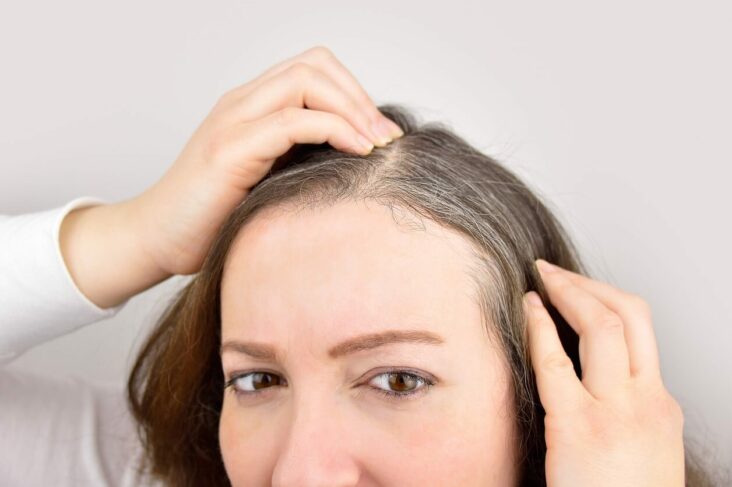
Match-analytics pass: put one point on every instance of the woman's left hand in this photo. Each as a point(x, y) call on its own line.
point(237, 143)
point(618, 425)
point(115, 251)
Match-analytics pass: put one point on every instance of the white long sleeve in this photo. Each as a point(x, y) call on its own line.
point(38, 298)
point(60, 432)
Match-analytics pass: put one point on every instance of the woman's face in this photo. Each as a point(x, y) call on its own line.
point(320, 306)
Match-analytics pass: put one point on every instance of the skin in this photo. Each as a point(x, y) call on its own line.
point(116, 251)
point(618, 425)
point(352, 270)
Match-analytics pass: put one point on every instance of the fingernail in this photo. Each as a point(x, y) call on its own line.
point(533, 298)
point(545, 266)
point(396, 131)
point(382, 132)
point(364, 143)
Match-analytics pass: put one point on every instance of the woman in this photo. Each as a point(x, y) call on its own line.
point(359, 317)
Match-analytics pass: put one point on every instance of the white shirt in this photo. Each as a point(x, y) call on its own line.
point(55, 432)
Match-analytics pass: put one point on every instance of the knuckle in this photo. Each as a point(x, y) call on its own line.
point(301, 71)
point(640, 304)
point(355, 108)
point(223, 102)
point(215, 146)
point(664, 411)
point(286, 116)
point(227, 96)
point(679, 416)
point(678, 413)
point(609, 322)
point(595, 425)
point(321, 52)
point(558, 361)
point(671, 410)
point(564, 285)
point(669, 416)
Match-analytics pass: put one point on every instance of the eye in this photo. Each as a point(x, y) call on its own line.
point(401, 384)
point(252, 382)
point(394, 384)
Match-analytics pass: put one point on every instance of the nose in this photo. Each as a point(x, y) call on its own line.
point(315, 453)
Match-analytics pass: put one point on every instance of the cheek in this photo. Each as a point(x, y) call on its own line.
point(238, 435)
point(468, 443)
point(464, 438)
point(463, 434)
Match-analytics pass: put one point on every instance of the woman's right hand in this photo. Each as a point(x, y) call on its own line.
point(618, 425)
point(168, 229)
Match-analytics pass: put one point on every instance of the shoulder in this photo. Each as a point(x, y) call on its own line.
point(81, 432)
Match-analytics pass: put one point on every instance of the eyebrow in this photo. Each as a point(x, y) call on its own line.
point(359, 343)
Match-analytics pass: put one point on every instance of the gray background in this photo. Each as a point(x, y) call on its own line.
point(617, 112)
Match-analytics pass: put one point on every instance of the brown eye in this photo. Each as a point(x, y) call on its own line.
point(402, 382)
point(253, 381)
point(260, 380)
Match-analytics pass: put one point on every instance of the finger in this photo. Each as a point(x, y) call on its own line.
point(636, 315)
point(248, 150)
point(603, 351)
point(560, 390)
point(325, 61)
point(300, 86)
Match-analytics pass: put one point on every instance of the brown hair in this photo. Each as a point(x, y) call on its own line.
point(177, 378)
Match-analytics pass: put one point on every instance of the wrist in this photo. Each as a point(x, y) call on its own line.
point(101, 248)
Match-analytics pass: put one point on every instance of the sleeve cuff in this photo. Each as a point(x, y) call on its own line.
point(93, 310)
point(39, 300)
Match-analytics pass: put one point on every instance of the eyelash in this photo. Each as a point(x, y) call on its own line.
point(426, 383)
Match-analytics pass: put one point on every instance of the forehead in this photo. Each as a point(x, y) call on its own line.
point(345, 268)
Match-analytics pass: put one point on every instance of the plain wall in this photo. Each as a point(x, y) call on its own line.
point(618, 113)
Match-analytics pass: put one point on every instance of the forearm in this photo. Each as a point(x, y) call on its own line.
point(102, 249)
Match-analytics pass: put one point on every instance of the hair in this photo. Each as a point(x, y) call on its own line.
point(431, 172)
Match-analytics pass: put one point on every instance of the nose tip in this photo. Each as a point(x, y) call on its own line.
point(304, 472)
point(316, 464)
point(318, 481)
point(316, 453)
